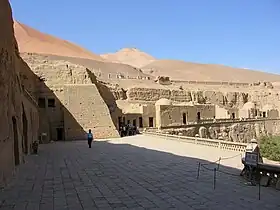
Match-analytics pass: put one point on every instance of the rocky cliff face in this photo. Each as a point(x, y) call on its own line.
point(13, 121)
point(10, 91)
point(234, 132)
point(228, 99)
point(86, 103)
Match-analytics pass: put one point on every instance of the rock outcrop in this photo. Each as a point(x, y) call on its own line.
point(163, 80)
point(235, 132)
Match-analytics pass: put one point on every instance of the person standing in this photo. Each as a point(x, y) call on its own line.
point(90, 138)
point(252, 147)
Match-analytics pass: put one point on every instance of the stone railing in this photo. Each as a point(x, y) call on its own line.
point(224, 145)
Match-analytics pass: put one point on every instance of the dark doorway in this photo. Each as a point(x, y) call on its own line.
point(233, 115)
point(59, 134)
point(123, 120)
point(16, 150)
point(42, 102)
point(151, 122)
point(25, 137)
point(198, 116)
point(128, 122)
point(184, 118)
point(264, 114)
point(51, 102)
point(140, 122)
point(119, 121)
point(134, 122)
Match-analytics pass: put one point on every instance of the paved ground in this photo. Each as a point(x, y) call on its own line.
point(130, 173)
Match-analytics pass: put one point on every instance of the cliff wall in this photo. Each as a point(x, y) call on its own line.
point(17, 111)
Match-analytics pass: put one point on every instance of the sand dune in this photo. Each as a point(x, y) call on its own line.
point(33, 41)
point(130, 56)
point(180, 70)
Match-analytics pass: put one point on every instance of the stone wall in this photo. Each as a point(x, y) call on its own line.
point(78, 103)
point(30, 129)
point(173, 115)
point(231, 131)
point(17, 130)
point(88, 108)
point(149, 112)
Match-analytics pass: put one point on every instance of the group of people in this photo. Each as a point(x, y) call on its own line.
point(127, 130)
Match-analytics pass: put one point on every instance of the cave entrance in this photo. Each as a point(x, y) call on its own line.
point(184, 118)
point(151, 122)
point(59, 134)
point(198, 117)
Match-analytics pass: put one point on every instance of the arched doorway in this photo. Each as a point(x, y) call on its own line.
point(16, 150)
point(25, 130)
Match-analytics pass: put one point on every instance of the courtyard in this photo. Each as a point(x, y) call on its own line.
point(138, 172)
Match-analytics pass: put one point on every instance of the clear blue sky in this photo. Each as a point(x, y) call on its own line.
point(239, 33)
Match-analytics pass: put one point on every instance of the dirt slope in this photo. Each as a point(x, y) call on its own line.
point(31, 40)
point(180, 70)
point(130, 56)
point(98, 67)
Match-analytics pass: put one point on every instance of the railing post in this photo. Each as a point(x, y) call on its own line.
point(219, 145)
point(198, 170)
point(214, 181)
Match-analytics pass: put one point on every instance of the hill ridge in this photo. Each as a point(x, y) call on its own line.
point(33, 41)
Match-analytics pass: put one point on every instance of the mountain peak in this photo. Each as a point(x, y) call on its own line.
point(131, 56)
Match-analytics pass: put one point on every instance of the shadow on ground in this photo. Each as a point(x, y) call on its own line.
point(69, 175)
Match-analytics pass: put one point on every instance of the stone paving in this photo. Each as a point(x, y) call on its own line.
point(129, 173)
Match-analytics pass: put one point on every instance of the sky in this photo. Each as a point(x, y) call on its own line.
point(238, 33)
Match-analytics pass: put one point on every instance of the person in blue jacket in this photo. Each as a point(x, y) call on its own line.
point(90, 138)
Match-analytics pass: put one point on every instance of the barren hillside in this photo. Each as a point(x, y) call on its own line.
point(180, 70)
point(101, 69)
point(130, 56)
point(127, 61)
point(33, 41)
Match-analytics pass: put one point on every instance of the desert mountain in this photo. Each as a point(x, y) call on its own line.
point(130, 56)
point(127, 61)
point(180, 70)
point(33, 41)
